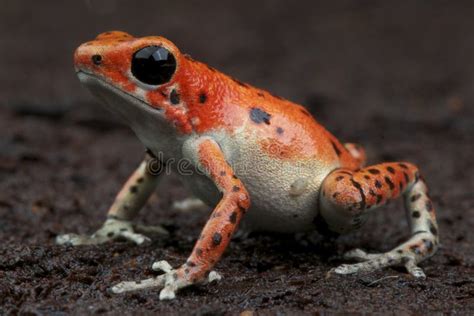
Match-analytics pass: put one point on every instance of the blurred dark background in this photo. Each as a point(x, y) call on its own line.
point(394, 76)
point(412, 58)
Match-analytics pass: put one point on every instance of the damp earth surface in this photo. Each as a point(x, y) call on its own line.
point(397, 80)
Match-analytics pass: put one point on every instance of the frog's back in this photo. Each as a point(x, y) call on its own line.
point(275, 147)
point(285, 131)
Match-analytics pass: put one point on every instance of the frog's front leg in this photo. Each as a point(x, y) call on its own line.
point(217, 232)
point(128, 202)
point(347, 196)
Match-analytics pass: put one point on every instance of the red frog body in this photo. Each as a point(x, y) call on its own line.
point(255, 157)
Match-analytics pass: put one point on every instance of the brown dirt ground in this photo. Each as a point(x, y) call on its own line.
point(396, 78)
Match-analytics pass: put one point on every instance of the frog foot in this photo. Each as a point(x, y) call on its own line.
point(371, 262)
point(189, 205)
point(171, 281)
point(111, 230)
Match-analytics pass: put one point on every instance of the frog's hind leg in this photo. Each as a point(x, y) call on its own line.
point(347, 196)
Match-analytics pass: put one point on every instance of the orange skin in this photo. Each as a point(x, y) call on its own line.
point(226, 216)
point(285, 132)
point(227, 101)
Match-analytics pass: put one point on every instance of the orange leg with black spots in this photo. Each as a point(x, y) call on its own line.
point(348, 196)
point(216, 234)
point(226, 216)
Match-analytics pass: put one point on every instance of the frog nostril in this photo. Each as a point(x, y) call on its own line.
point(97, 59)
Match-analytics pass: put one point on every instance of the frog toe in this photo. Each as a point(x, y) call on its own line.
point(347, 268)
point(134, 237)
point(370, 262)
point(112, 229)
point(373, 262)
point(360, 255)
point(128, 286)
point(170, 282)
point(68, 239)
point(165, 267)
point(162, 265)
point(414, 270)
point(213, 277)
point(77, 240)
point(150, 229)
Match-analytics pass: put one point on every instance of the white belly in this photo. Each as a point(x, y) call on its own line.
point(276, 205)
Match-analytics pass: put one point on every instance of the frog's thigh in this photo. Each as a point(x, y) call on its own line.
point(348, 195)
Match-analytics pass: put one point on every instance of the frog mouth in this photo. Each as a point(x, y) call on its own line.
point(116, 100)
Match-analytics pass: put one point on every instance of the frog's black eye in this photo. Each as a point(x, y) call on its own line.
point(153, 65)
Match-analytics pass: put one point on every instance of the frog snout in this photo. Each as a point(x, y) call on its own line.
point(91, 54)
point(87, 56)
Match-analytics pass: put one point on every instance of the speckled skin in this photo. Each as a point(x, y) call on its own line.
point(265, 161)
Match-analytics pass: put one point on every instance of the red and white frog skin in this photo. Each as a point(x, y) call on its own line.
point(257, 159)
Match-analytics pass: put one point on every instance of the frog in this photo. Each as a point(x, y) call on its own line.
point(261, 162)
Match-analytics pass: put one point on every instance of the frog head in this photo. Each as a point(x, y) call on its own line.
point(137, 78)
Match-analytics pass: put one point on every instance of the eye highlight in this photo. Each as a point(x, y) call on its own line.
point(153, 65)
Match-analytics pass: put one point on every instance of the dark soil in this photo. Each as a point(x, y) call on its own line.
point(396, 78)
